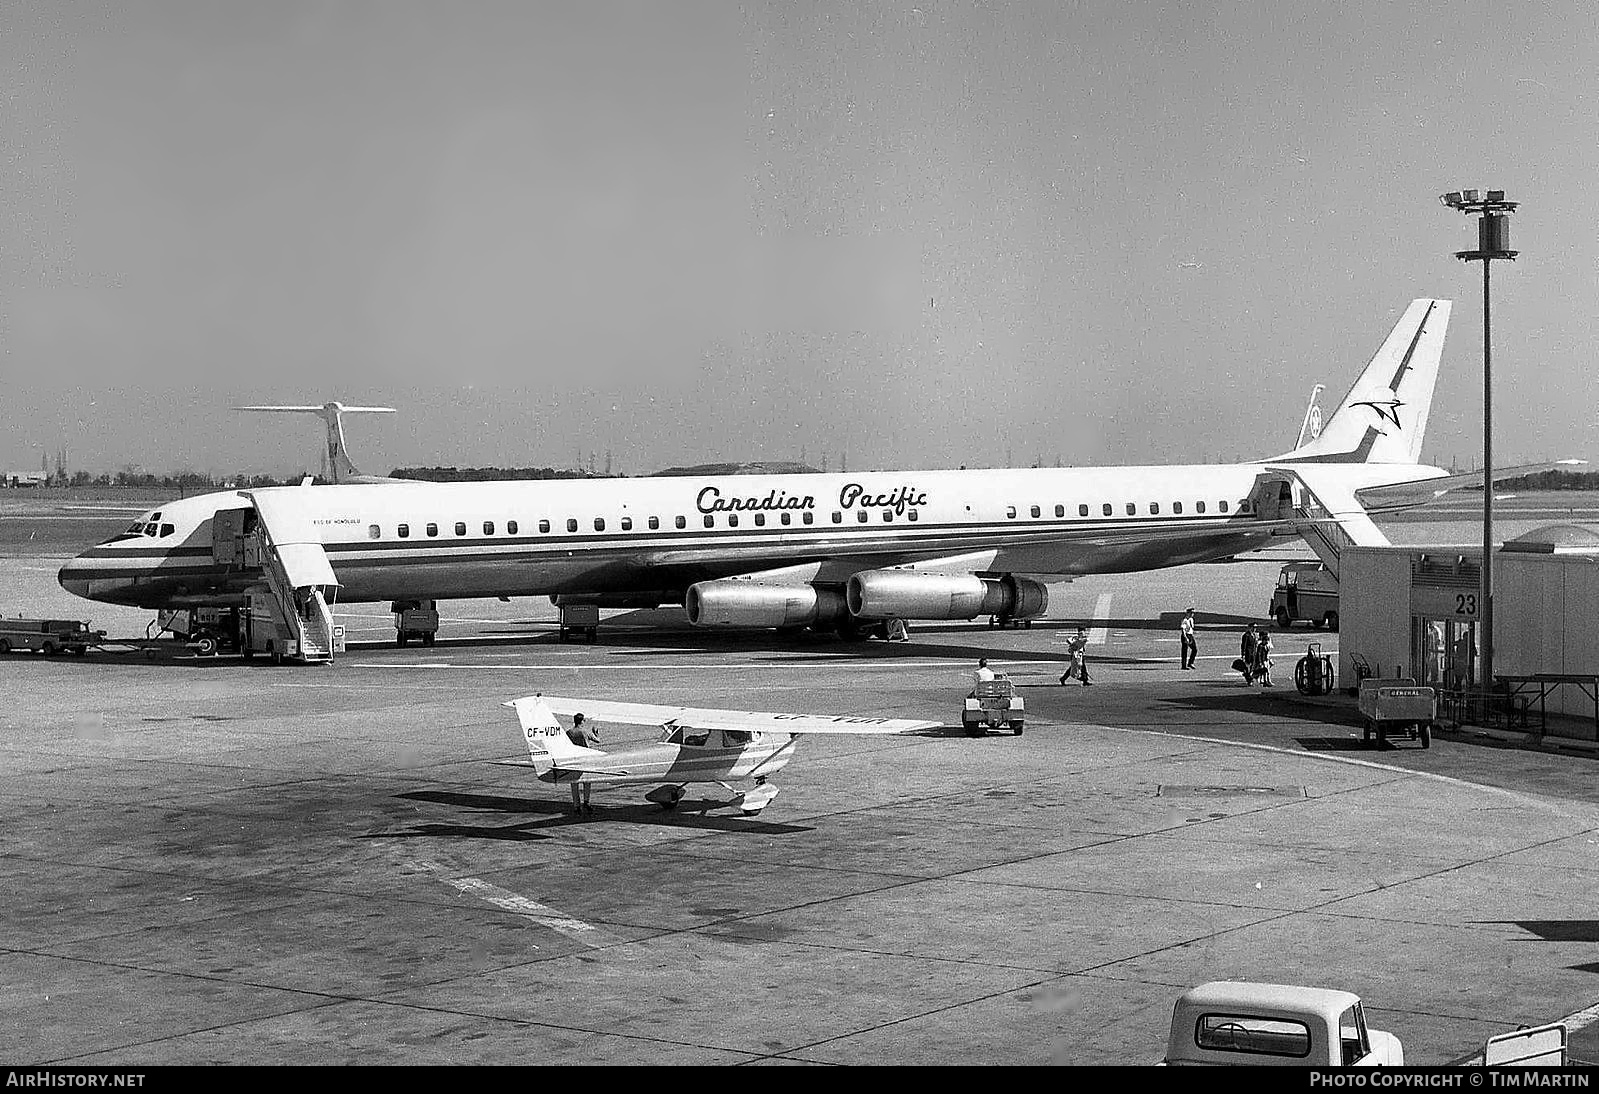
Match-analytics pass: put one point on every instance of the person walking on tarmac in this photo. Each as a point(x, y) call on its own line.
point(579, 735)
point(1190, 646)
point(1077, 650)
point(1263, 658)
point(1246, 655)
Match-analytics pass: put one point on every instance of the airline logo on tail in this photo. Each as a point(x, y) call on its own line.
point(1384, 416)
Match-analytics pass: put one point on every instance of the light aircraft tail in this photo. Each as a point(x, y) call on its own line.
point(547, 742)
point(340, 468)
point(1384, 416)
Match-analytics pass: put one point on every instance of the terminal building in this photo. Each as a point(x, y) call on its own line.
point(1414, 612)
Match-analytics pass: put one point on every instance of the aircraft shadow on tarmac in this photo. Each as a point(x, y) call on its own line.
point(550, 815)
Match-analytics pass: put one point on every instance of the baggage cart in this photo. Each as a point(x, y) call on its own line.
point(1398, 707)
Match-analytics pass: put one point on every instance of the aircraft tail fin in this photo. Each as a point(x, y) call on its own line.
point(340, 468)
point(547, 743)
point(1384, 417)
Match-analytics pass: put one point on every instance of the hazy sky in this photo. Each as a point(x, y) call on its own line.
point(918, 234)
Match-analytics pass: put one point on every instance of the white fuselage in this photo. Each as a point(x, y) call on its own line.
point(404, 541)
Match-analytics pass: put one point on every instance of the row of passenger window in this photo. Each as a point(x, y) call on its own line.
point(786, 518)
point(653, 523)
point(1109, 510)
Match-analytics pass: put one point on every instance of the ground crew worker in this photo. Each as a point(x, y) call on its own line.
point(1077, 650)
point(1190, 646)
point(983, 675)
point(1246, 654)
point(579, 735)
point(898, 631)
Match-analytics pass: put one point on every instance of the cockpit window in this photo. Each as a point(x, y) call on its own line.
point(150, 529)
point(166, 530)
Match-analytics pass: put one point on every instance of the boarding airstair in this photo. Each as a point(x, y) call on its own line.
point(1328, 521)
point(299, 585)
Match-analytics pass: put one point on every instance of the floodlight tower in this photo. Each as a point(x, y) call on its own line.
point(1493, 241)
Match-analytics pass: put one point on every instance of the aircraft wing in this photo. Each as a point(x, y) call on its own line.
point(651, 714)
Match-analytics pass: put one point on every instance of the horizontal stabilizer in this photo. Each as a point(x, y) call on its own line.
point(650, 714)
point(1405, 495)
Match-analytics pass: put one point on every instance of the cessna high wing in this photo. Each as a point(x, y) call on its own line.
point(828, 551)
point(697, 745)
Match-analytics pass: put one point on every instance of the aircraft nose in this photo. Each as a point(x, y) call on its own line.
point(71, 579)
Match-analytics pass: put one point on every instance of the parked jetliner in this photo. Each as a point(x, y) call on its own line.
point(842, 551)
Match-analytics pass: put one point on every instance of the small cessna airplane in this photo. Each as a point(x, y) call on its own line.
point(696, 746)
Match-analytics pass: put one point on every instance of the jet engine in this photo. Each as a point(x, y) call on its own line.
point(732, 603)
point(915, 594)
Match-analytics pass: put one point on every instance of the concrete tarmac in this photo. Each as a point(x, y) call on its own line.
point(213, 861)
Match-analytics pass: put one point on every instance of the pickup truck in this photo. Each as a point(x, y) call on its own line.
point(52, 636)
point(1234, 1022)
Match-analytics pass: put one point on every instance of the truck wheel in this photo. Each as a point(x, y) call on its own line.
point(5, 645)
point(427, 639)
point(206, 646)
point(1426, 735)
point(1366, 734)
point(50, 649)
point(1283, 619)
point(401, 638)
point(1016, 728)
point(1331, 619)
point(974, 729)
point(273, 655)
point(79, 651)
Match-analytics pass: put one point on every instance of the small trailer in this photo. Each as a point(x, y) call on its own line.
point(1399, 707)
point(418, 619)
point(580, 620)
point(992, 704)
point(49, 636)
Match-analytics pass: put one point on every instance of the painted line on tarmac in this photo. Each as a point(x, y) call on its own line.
point(1100, 634)
point(716, 666)
point(1350, 761)
point(526, 907)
